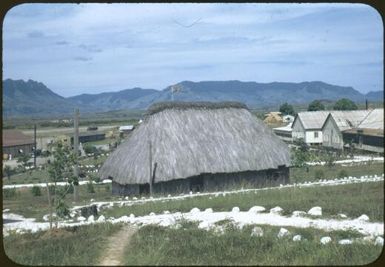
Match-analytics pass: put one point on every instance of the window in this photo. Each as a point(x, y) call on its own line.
point(315, 134)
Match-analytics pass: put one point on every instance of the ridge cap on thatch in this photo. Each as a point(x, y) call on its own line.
point(180, 105)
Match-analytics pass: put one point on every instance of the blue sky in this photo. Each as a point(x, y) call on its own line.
point(93, 48)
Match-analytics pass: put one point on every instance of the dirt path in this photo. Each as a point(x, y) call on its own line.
point(113, 253)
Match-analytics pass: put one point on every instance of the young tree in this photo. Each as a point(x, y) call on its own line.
point(286, 109)
point(345, 104)
point(23, 159)
point(8, 171)
point(61, 168)
point(316, 105)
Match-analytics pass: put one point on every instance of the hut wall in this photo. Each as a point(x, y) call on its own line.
point(14, 150)
point(211, 182)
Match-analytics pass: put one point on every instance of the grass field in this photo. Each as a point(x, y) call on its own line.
point(155, 245)
point(24, 203)
point(67, 246)
point(352, 200)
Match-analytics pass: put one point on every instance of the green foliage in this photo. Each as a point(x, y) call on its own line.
point(300, 154)
point(9, 193)
point(319, 174)
point(286, 109)
point(342, 174)
point(23, 159)
point(88, 149)
point(36, 191)
point(90, 187)
point(316, 105)
point(345, 104)
point(8, 171)
point(107, 188)
point(62, 209)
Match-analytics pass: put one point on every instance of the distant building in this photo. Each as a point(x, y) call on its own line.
point(15, 143)
point(369, 134)
point(339, 121)
point(285, 132)
point(273, 118)
point(91, 136)
point(308, 126)
point(126, 128)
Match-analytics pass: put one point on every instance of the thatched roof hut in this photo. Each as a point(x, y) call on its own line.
point(189, 139)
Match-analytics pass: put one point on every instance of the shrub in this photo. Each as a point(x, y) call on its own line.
point(36, 191)
point(90, 188)
point(342, 173)
point(107, 188)
point(319, 174)
point(62, 209)
point(9, 193)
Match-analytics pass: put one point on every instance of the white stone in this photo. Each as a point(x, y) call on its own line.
point(72, 214)
point(91, 218)
point(345, 242)
point(298, 213)
point(81, 218)
point(126, 198)
point(166, 212)
point(326, 239)
point(257, 209)
point(204, 225)
point(379, 241)
point(111, 204)
point(363, 218)
point(101, 218)
point(257, 231)
point(152, 214)
point(5, 210)
point(209, 210)
point(343, 216)
point(283, 232)
point(132, 215)
point(297, 238)
point(315, 211)
point(235, 209)
point(92, 200)
point(276, 210)
point(134, 198)
point(216, 195)
point(168, 195)
point(194, 210)
point(191, 192)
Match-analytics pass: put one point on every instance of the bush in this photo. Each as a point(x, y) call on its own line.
point(107, 188)
point(36, 191)
point(62, 209)
point(90, 188)
point(319, 174)
point(342, 174)
point(9, 193)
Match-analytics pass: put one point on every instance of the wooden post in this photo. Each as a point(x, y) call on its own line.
point(35, 145)
point(150, 162)
point(76, 151)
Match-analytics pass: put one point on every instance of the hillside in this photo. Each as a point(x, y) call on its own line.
point(31, 97)
point(34, 98)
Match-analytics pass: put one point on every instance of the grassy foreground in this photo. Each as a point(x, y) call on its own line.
point(68, 246)
point(155, 245)
point(352, 200)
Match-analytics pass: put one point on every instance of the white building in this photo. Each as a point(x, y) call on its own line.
point(308, 126)
point(285, 132)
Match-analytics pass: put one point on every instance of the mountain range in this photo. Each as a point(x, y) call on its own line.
point(34, 98)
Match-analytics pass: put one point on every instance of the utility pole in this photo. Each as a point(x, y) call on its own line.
point(76, 151)
point(35, 147)
point(150, 161)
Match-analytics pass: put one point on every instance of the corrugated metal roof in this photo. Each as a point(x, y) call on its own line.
point(313, 119)
point(374, 120)
point(349, 119)
point(14, 138)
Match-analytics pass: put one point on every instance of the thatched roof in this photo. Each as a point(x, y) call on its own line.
point(189, 139)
